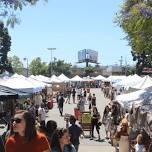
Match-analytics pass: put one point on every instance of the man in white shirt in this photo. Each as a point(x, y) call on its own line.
point(42, 116)
point(79, 91)
point(38, 99)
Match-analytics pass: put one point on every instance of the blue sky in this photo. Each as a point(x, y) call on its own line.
point(70, 26)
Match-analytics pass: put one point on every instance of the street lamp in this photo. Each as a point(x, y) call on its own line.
point(51, 49)
point(121, 60)
point(26, 59)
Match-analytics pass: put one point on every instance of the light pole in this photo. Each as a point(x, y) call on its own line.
point(51, 49)
point(26, 59)
point(121, 60)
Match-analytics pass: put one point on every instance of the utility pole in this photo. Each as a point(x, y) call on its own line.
point(121, 60)
point(126, 67)
point(26, 59)
point(51, 49)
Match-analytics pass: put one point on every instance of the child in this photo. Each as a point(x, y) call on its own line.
point(139, 147)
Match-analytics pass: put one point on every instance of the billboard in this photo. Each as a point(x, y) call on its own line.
point(87, 55)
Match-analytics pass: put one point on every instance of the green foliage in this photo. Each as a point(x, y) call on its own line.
point(37, 67)
point(8, 9)
point(5, 44)
point(88, 70)
point(17, 65)
point(131, 71)
point(135, 18)
point(59, 67)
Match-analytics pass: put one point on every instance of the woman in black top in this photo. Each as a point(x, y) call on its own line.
point(94, 122)
point(89, 101)
point(93, 102)
point(73, 95)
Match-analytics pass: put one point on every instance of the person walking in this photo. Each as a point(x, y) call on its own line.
point(75, 132)
point(85, 95)
point(73, 95)
point(25, 137)
point(68, 95)
point(79, 92)
point(139, 146)
point(42, 116)
point(61, 141)
point(51, 127)
point(95, 117)
point(57, 97)
point(89, 100)
point(61, 103)
point(93, 101)
point(81, 104)
point(105, 120)
point(123, 136)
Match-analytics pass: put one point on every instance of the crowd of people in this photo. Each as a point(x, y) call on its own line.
point(29, 131)
point(120, 129)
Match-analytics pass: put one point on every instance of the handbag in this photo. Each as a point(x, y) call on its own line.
point(99, 123)
point(115, 142)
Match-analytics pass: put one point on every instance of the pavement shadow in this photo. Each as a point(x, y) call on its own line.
point(87, 136)
point(100, 140)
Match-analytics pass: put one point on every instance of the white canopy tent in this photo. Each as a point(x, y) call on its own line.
point(144, 83)
point(36, 82)
point(115, 79)
point(2, 80)
point(87, 79)
point(44, 78)
point(76, 79)
point(63, 78)
point(100, 77)
point(128, 81)
point(39, 80)
point(55, 79)
point(22, 84)
point(135, 98)
point(17, 76)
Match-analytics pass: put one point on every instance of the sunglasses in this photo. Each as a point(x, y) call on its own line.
point(17, 120)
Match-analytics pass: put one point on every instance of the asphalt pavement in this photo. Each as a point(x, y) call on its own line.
point(85, 144)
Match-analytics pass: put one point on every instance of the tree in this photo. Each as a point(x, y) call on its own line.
point(143, 60)
point(59, 67)
point(37, 67)
point(5, 44)
point(88, 70)
point(75, 70)
point(135, 18)
point(17, 65)
point(8, 9)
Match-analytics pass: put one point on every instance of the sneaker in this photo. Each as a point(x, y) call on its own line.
point(109, 141)
point(106, 137)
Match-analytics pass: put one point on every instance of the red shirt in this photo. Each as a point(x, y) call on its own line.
point(17, 144)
